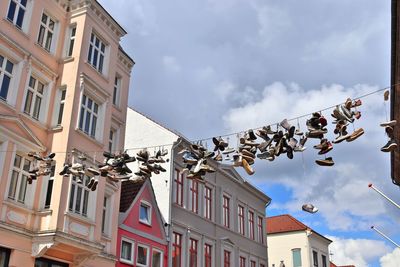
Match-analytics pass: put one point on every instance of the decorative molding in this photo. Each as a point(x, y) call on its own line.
point(80, 259)
point(79, 228)
point(39, 249)
point(16, 217)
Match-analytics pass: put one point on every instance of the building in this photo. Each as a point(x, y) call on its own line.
point(64, 83)
point(141, 235)
point(395, 88)
point(334, 265)
point(216, 223)
point(295, 243)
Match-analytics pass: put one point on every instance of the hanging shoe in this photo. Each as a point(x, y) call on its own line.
point(91, 172)
point(237, 160)
point(246, 166)
point(65, 170)
point(94, 186)
point(390, 146)
point(309, 208)
point(218, 157)
point(386, 95)
point(325, 162)
point(91, 182)
point(298, 132)
point(357, 133)
point(357, 114)
point(159, 167)
point(188, 157)
point(262, 133)
point(389, 132)
point(356, 103)
point(289, 152)
point(391, 123)
point(326, 147)
point(289, 128)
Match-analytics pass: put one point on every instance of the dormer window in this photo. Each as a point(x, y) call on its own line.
point(145, 213)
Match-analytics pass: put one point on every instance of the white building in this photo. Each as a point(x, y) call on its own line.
point(295, 243)
point(218, 223)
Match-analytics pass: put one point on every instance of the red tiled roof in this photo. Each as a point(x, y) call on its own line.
point(129, 191)
point(284, 223)
point(332, 264)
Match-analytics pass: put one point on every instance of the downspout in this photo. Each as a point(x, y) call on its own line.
point(171, 177)
point(266, 235)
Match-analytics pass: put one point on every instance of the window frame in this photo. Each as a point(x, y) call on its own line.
point(99, 63)
point(161, 257)
point(116, 97)
point(177, 246)
point(70, 40)
point(132, 243)
point(294, 250)
point(6, 252)
point(73, 195)
point(147, 255)
point(60, 105)
point(226, 211)
point(251, 224)
point(42, 41)
point(253, 263)
point(241, 225)
point(242, 261)
point(315, 258)
point(260, 229)
point(33, 101)
point(179, 184)
point(227, 258)
point(194, 196)
point(106, 214)
point(5, 72)
point(193, 252)
point(50, 262)
point(21, 182)
point(324, 262)
point(208, 255)
point(19, 6)
point(208, 191)
point(147, 205)
point(85, 111)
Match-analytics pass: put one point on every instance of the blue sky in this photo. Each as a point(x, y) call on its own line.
point(213, 67)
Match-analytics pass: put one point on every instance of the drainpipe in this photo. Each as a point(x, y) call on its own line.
point(175, 145)
point(266, 236)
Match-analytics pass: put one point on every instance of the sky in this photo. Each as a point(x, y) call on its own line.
point(215, 67)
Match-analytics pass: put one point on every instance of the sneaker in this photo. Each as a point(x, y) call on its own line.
point(357, 133)
point(327, 146)
point(390, 146)
point(250, 135)
point(298, 132)
point(228, 151)
point(325, 162)
point(246, 166)
point(389, 132)
point(237, 160)
point(108, 155)
point(289, 152)
point(348, 103)
point(94, 186)
point(91, 172)
point(264, 145)
point(357, 115)
point(159, 167)
point(91, 182)
point(309, 208)
point(218, 157)
point(340, 138)
point(389, 123)
point(289, 128)
point(188, 158)
point(262, 133)
point(386, 95)
point(356, 103)
point(65, 170)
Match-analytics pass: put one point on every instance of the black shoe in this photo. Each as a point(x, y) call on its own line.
point(390, 146)
point(65, 169)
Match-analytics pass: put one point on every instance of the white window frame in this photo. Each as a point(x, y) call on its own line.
point(149, 209)
point(84, 112)
point(161, 257)
point(147, 255)
point(59, 105)
point(117, 90)
point(74, 186)
point(20, 180)
point(132, 251)
point(113, 139)
point(4, 72)
point(106, 214)
point(16, 12)
point(93, 60)
point(35, 95)
point(47, 30)
point(70, 41)
point(45, 186)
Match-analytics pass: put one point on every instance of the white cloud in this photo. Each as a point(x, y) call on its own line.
point(391, 259)
point(171, 64)
point(356, 252)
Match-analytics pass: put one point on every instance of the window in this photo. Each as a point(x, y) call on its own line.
point(46, 32)
point(193, 253)
point(227, 258)
point(71, 40)
point(207, 202)
point(296, 254)
point(251, 225)
point(16, 12)
point(49, 190)
point(207, 255)
point(225, 213)
point(61, 107)
point(194, 193)
point(79, 196)
point(106, 215)
point(117, 89)
point(142, 255)
point(156, 259)
point(176, 250)
point(315, 258)
point(19, 179)
point(6, 74)
point(97, 50)
point(260, 232)
point(145, 213)
point(126, 251)
point(88, 116)
point(252, 264)
point(242, 261)
point(324, 264)
point(112, 141)
point(4, 256)
point(241, 219)
point(178, 187)
point(34, 97)
point(43, 262)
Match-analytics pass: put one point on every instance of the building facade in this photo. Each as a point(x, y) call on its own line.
point(216, 223)
point(142, 240)
point(295, 244)
point(64, 83)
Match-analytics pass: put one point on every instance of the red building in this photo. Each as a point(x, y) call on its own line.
point(141, 236)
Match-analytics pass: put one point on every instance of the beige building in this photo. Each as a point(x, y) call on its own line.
point(64, 83)
point(295, 244)
point(220, 222)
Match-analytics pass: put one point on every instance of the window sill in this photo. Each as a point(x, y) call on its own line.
point(106, 237)
point(100, 74)
point(145, 223)
point(38, 123)
point(89, 138)
point(67, 59)
point(20, 30)
point(57, 128)
point(45, 50)
point(126, 261)
point(18, 205)
point(80, 218)
point(7, 104)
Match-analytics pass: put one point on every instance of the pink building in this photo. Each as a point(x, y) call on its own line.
point(64, 83)
point(141, 236)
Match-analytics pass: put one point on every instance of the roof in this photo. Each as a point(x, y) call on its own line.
point(287, 223)
point(334, 265)
point(129, 192)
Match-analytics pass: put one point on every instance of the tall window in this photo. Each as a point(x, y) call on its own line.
point(142, 256)
point(117, 89)
point(296, 254)
point(156, 258)
point(178, 187)
point(242, 261)
point(16, 12)
point(97, 50)
point(46, 32)
point(207, 202)
point(79, 196)
point(193, 253)
point(145, 213)
point(106, 215)
point(19, 179)
point(252, 264)
point(225, 213)
point(34, 97)
point(88, 116)
point(207, 255)
point(227, 258)
point(176, 250)
point(194, 193)
point(324, 264)
point(112, 141)
point(315, 258)
point(251, 225)
point(71, 40)
point(126, 251)
point(4, 256)
point(260, 229)
point(241, 219)
point(49, 191)
point(61, 108)
point(6, 74)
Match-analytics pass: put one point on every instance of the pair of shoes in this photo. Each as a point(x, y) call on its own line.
point(290, 129)
point(325, 146)
point(219, 143)
point(92, 185)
